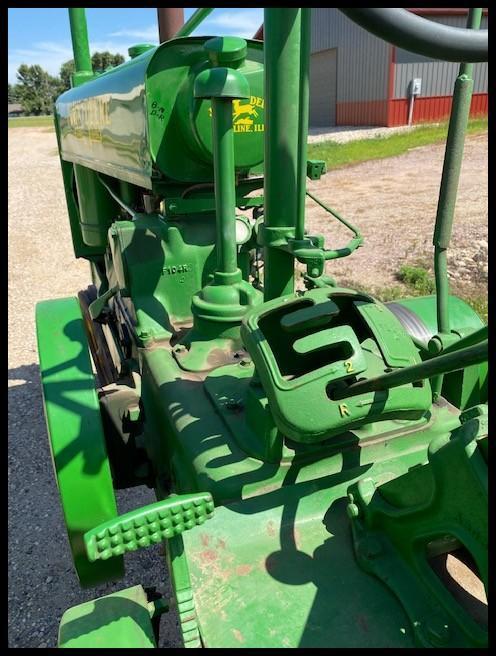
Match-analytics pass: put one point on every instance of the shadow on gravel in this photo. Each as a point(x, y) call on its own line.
point(42, 583)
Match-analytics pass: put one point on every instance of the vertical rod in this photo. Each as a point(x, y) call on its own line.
point(301, 182)
point(225, 195)
point(170, 21)
point(192, 23)
point(80, 44)
point(462, 96)
point(282, 37)
point(410, 108)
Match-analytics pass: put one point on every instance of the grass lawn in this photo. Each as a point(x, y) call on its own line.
point(31, 122)
point(417, 281)
point(339, 155)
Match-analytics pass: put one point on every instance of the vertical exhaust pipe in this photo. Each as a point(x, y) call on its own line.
point(170, 21)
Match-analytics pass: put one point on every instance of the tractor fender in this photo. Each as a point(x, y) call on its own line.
point(75, 432)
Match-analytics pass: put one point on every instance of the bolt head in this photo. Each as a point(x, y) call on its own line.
point(352, 510)
point(133, 412)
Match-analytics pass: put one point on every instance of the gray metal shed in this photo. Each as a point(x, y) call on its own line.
point(358, 79)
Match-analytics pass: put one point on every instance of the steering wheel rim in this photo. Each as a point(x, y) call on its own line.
point(431, 39)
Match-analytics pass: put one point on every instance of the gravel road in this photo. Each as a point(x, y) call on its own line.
point(42, 583)
point(345, 133)
point(392, 200)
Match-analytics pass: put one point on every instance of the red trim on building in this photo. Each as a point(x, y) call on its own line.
point(368, 112)
point(432, 108)
point(443, 11)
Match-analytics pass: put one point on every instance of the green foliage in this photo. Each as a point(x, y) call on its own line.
point(103, 60)
point(338, 155)
point(13, 93)
point(388, 294)
point(32, 122)
point(418, 279)
point(66, 70)
point(100, 61)
point(478, 302)
point(36, 90)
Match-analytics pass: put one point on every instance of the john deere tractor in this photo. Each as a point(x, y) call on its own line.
point(319, 458)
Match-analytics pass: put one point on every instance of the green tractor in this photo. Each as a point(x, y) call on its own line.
point(319, 458)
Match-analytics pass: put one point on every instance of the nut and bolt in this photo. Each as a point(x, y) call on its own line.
point(352, 510)
point(132, 412)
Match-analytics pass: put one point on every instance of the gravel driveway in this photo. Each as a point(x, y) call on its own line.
point(42, 583)
point(393, 201)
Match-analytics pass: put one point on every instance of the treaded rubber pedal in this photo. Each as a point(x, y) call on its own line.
point(148, 525)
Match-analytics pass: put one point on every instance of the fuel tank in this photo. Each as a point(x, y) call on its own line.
point(140, 121)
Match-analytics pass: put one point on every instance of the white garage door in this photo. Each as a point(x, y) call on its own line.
point(323, 72)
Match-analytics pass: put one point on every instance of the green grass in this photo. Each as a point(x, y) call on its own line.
point(417, 279)
point(339, 155)
point(479, 303)
point(31, 122)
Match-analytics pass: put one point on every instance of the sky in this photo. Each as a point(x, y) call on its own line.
point(42, 36)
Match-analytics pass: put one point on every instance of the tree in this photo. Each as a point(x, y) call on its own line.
point(13, 93)
point(103, 60)
point(66, 70)
point(100, 61)
point(36, 90)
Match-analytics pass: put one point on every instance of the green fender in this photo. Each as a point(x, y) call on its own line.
point(119, 620)
point(75, 432)
point(418, 316)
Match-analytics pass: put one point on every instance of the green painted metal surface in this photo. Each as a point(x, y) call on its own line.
point(424, 308)
point(306, 368)
point(462, 97)
point(278, 570)
point(121, 124)
point(75, 431)
point(121, 620)
point(148, 525)
point(83, 70)
point(396, 526)
point(160, 265)
point(418, 316)
point(339, 457)
point(282, 71)
point(97, 210)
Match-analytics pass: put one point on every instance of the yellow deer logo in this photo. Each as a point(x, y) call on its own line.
point(239, 109)
point(243, 113)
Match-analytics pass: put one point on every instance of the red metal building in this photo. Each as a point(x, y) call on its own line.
point(358, 79)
